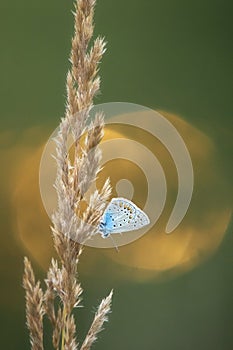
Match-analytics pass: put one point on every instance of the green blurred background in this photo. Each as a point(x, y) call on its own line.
point(173, 55)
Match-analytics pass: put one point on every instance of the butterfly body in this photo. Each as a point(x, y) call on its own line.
point(122, 215)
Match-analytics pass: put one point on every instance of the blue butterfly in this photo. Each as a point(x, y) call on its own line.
point(122, 215)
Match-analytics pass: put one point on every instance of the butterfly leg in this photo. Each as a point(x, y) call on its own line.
point(114, 244)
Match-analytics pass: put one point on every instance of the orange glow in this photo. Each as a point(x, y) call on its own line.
point(156, 253)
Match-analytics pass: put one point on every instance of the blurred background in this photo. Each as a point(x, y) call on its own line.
point(174, 56)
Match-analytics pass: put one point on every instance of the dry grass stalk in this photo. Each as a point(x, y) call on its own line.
point(72, 182)
point(97, 324)
point(34, 307)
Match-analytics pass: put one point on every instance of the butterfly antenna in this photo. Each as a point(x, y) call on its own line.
point(114, 244)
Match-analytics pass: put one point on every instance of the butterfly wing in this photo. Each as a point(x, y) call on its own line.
point(122, 215)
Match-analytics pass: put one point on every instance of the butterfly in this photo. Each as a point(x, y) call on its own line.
point(122, 215)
